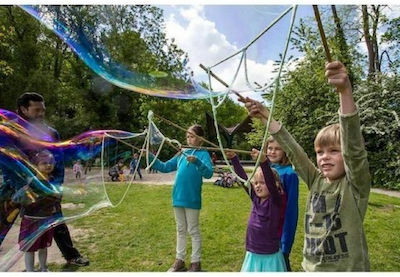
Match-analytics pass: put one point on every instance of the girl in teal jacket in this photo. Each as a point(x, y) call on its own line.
point(191, 166)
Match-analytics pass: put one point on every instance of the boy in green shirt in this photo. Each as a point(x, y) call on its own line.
point(339, 185)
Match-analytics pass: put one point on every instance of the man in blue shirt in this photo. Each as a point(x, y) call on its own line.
point(31, 107)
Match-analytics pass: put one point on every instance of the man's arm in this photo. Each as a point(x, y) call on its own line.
point(59, 170)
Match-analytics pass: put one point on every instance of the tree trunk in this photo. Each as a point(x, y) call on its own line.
point(370, 42)
point(375, 22)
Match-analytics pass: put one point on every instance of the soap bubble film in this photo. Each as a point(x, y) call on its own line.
point(46, 182)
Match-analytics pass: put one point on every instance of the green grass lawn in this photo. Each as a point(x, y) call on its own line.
point(139, 235)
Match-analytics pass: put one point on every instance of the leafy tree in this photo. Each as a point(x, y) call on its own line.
point(5, 69)
point(379, 104)
point(392, 37)
point(21, 36)
point(305, 102)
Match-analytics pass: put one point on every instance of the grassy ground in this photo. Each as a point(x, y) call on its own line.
point(139, 235)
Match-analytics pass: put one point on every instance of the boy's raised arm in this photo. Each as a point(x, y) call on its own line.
point(337, 76)
point(353, 149)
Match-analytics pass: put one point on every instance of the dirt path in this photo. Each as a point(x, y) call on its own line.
point(392, 193)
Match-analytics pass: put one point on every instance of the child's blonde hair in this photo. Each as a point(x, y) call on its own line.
point(327, 136)
point(277, 178)
point(285, 159)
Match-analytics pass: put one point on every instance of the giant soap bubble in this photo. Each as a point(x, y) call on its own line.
point(89, 41)
point(242, 47)
point(45, 182)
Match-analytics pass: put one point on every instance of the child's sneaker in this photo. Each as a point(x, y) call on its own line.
point(178, 266)
point(195, 267)
point(78, 261)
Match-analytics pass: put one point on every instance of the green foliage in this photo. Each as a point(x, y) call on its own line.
point(255, 137)
point(379, 105)
point(5, 69)
point(20, 53)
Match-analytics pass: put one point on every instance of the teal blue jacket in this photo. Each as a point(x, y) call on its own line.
point(186, 192)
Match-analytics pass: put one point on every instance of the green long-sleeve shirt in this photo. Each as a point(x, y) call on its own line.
point(334, 238)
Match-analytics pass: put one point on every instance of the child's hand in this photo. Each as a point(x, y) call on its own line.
point(258, 110)
point(191, 159)
point(337, 76)
point(230, 155)
point(255, 108)
point(254, 154)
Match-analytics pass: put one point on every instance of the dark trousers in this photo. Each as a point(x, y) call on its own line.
point(63, 239)
point(114, 177)
point(5, 226)
point(6, 222)
point(138, 172)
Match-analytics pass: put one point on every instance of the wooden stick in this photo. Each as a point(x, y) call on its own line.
point(322, 33)
point(185, 130)
point(217, 149)
point(173, 146)
point(226, 85)
point(221, 81)
point(124, 142)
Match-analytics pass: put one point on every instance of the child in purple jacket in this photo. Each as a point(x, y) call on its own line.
point(263, 230)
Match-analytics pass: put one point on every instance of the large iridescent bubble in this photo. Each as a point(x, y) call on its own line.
point(45, 182)
point(240, 44)
point(88, 43)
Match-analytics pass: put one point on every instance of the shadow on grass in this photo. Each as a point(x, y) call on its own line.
point(376, 205)
point(384, 207)
point(69, 268)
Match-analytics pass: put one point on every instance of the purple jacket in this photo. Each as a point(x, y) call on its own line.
point(262, 235)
